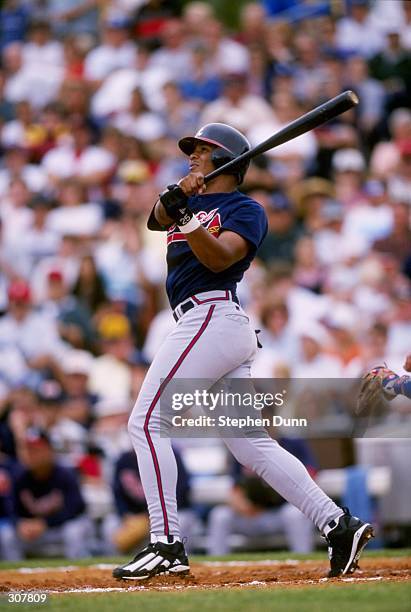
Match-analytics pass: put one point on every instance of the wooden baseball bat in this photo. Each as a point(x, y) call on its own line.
point(319, 115)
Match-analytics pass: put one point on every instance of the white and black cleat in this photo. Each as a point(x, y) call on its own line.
point(346, 541)
point(155, 560)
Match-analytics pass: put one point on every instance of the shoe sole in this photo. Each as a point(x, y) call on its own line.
point(361, 538)
point(184, 571)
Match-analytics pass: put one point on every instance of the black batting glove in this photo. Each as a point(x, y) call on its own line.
point(175, 203)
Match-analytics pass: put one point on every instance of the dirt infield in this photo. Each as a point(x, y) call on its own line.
point(207, 575)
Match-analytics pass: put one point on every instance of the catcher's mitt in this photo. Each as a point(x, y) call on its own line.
point(374, 391)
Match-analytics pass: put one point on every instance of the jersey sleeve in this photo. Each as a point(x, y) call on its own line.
point(249, 221)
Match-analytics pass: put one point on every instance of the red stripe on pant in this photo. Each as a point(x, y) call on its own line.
point(153, 404)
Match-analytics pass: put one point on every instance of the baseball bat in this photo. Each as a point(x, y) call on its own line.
point(319, 115)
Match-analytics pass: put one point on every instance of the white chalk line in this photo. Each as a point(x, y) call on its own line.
point(253, 583)
point(110, 566)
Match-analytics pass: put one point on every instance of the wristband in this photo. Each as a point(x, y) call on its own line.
point(190, 226)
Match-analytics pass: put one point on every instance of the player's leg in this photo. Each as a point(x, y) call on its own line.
point(289, 477)
point(201, 346)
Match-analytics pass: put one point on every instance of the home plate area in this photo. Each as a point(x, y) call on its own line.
point(205, 575)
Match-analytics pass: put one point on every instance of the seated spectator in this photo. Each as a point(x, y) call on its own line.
point(39, 240)
point(180, 116)
point(130, 524)
point(34, 334)
point(110, 375)
point(75, 215)
point(72, 318)
point(357, 32)
point(371, 219)
point(49, 505)
point(279, 340)
point(89, 286)
point(386, 154)
point(254, 509)
point(399, 183)
point(66, 261)
point(69, 438)
point(16, 164)
point(78, 404)
point(237, 106)
point(90, 164)
point(115, 51)
point(138, 121)
point(19, 410)
point(173, 53)
point(314, 361)
point(283, 230)
point(201, 84)
point(9, 471)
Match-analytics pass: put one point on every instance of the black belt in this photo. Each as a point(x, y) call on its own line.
point(193, 302)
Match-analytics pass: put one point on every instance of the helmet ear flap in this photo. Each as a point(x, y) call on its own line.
point(220, 156)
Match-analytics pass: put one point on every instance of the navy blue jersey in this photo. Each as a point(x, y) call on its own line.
point(217, 212)
point(56, 499)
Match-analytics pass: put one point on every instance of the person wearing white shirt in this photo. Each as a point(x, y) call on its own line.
point(314, 362)
point(236, 106)
point(34, 335)
point(90, 163)
point(116, 51)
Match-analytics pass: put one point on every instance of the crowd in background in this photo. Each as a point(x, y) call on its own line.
point(93, 99)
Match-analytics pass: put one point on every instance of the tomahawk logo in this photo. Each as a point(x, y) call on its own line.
point(211, 221)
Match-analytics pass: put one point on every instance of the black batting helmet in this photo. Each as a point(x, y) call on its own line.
point(229, 143)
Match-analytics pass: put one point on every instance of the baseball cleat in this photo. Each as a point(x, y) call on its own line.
point(346, 541)
point(154, 560)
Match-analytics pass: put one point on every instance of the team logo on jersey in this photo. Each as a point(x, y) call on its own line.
point(210, 220)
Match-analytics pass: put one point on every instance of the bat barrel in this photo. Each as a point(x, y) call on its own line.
point(319, 115)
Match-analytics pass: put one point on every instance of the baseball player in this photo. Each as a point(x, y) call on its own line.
point(213, 233)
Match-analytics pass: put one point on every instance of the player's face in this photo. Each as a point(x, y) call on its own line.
point(200, 158)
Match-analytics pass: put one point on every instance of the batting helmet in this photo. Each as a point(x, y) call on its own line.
point(229, 143)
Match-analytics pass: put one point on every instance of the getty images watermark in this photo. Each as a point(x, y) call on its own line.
point(307, 408)
point(215, 400)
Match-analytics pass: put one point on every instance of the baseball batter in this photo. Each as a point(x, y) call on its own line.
point(213, 233)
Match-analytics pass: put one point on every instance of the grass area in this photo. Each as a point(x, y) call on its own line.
point(344, 598)
point(246, 556)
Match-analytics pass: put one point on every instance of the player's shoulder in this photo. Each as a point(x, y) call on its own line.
point(246, 205)
point(242, 199)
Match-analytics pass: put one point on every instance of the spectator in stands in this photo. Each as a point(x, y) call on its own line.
point(115, 51)
point(130, 524)
point(254, 510)
point(33, 334)
point(49, 505)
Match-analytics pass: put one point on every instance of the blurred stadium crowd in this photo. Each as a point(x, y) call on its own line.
point(93, 99)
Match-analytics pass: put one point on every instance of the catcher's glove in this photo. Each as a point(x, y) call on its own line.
point(376, 388)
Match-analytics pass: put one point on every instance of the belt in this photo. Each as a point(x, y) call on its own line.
point(204, 298)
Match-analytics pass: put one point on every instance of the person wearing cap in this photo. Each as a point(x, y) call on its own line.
point(110, 374)
point(71, 316)
point(315, 362)
point(50, 508)
point(348, 168)
point(79, 402)
point(33, 334)
point(283, 230)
